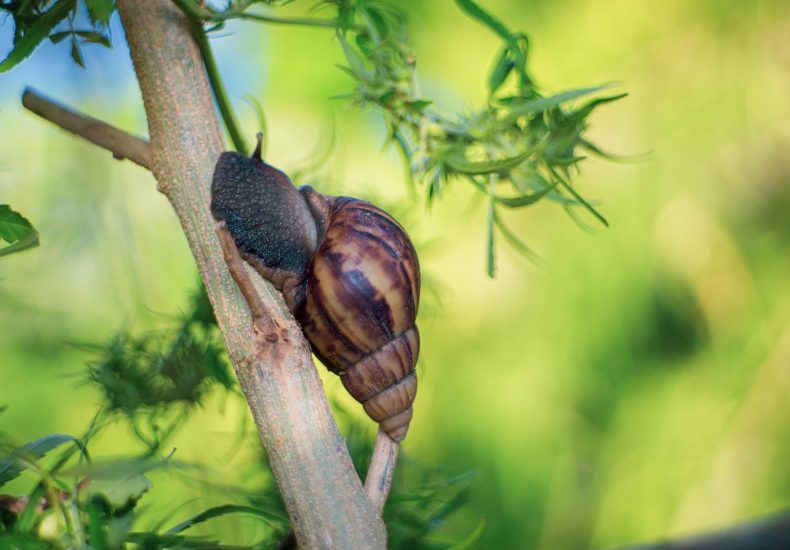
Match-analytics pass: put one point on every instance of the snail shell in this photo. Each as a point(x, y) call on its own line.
point(359, 315)
point(346, 269)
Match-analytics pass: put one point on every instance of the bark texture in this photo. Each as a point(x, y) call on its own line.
point(322, 493)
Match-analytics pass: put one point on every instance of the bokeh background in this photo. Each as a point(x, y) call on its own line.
point(632, 387)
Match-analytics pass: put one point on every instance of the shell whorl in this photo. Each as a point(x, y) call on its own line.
point(359, 315)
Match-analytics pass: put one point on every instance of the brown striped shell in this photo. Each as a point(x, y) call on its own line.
point(363, 292)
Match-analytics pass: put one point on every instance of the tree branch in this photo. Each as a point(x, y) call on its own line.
point(121, 144)
point(322, 493)
point(381, 470)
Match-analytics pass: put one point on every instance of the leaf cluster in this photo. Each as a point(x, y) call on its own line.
point(80, 501)
point(58, 20)
point(519, 148)
point(165, 367)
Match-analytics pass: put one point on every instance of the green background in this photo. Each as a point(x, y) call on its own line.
point(632, 387)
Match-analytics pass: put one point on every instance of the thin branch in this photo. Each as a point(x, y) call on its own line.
point(381, 470)
point(204, 13)
point(322, 493)
point(303, 21)
point(121, 144)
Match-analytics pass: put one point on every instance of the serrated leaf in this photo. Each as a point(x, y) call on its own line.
point(14, 463)
point(13, 225)
point(217, 511)
point(120, 481)
point(100, 10)
point(37, 32)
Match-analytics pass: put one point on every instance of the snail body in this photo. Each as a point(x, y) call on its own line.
point(347, 270)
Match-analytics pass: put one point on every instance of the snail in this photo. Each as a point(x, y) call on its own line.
point(347, 271)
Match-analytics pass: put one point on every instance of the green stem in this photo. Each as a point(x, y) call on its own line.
point(304, 21)
point(220, 95)
point(198, 13)
point(195, 14)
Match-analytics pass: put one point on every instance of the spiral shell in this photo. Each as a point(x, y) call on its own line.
point(362, 297)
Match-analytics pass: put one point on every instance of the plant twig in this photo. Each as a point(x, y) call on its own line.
point(218, 87)
point(121, 144)
point(381, 470)
point(322, 493)
point(204, 13)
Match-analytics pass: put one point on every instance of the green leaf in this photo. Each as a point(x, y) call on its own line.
point(94, 38)
point(58, 37)
point(583, 112)
point(76, 54)
point(120, 481)
point(476, 12)
point(13, 225)
point(98, 515)
point(345, 16)
point(583, 202)
point(100, 10)
point(531, 106)
point(15, 462)
point(21, 540)
point(270, 518)
point(500, 72)
point(524, 200)
point(37, 32)
point(27, 518)
point(513, 43)
point(354, 59)
point(458, 162)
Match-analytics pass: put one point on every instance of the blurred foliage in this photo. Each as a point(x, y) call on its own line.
point(163, 367)
point(78, 500)
point(634, 389)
